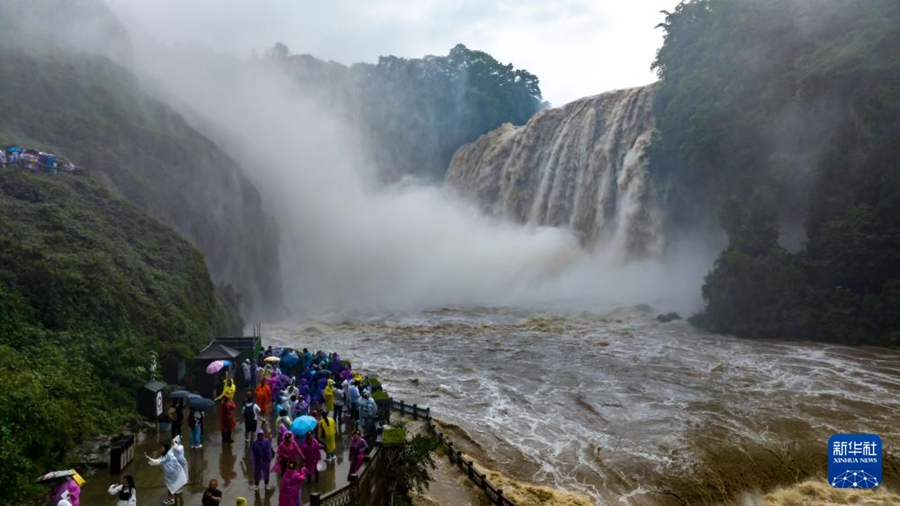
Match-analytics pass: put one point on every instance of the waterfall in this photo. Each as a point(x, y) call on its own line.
point(580, 167)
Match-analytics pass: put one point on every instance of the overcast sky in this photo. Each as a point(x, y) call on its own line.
point(576, 47)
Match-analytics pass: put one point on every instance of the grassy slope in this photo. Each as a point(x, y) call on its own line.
point(89, 287)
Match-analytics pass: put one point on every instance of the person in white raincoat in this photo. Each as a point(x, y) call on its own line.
point(126, 492)
point(178, 451)
point(173, 473)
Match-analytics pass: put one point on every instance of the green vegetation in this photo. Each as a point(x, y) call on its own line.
point(393, 435)
point(781, 115)
point(96, 114)
point(415, 467)
point(90, 287)
point(413, 473)
point(420, 111)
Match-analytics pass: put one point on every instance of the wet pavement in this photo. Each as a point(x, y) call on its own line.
point(228, 463)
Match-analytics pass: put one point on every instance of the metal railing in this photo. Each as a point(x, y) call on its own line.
point(368, 487)
point(491, 491)
point(365, 487)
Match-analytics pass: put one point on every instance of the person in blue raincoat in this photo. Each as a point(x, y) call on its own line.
point(368, 411)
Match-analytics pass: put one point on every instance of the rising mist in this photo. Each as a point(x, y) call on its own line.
point(351, 243)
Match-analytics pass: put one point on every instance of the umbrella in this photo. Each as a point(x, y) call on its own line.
point(289, 360)
point(199, 402)
point(216, 366)
point(55, 476)
point(303, 424)
point(179, 394)
point(323, 372)
point(272, 359)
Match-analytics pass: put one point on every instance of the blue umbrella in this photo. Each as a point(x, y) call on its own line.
point(199, 402)
point(289, 360)
point(179, 394)
point(303, 424)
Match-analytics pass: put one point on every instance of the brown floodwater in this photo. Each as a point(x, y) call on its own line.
point(622, 408)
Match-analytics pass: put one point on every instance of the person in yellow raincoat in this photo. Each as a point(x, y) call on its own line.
point(326, 432)
point(227, 390)
point(328, 395)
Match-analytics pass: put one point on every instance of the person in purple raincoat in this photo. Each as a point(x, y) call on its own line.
point(275, 386)
point(261, 457)
point(303, 389)
point(336, 365)
point(346, 373)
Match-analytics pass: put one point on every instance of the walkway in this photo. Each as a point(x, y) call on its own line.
point(230, 464)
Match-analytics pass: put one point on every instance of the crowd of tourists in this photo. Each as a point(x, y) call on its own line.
point(34, 160)
point(295, 407)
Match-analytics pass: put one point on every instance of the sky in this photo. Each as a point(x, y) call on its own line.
point(576, 47)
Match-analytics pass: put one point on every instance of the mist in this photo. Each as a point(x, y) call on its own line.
point(351, 243)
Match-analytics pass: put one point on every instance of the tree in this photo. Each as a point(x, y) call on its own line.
point(414, 474)
point(779, 111)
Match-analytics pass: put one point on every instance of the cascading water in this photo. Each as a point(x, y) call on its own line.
point(580, 167)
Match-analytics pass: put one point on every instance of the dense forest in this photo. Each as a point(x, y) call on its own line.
point(91, 288)
point(781, 116)
point(416, 112)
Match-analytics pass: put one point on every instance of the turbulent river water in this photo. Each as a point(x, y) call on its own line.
point(620, 407)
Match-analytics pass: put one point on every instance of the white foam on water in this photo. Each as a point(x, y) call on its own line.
point(591, 416)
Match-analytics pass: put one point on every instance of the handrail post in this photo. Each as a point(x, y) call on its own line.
point(415, 411)
point(500, 500)
point(471, 470)
point(402, 407)
point(315, 499)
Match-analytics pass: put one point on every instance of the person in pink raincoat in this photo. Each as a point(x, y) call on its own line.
point(67, 485)
point(311, 450)
point(358, 447)
point(288, 451)
point(290, 487)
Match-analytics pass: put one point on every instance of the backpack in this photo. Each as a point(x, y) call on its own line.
point(249, 412)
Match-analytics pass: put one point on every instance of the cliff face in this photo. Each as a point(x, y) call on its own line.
point(580, 167)
point(91, 110)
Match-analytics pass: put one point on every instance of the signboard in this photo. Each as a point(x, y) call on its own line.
point(159, 404)
point(854, 461)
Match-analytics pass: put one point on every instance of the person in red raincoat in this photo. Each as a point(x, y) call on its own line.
point(226, 419)
point(263, 397)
